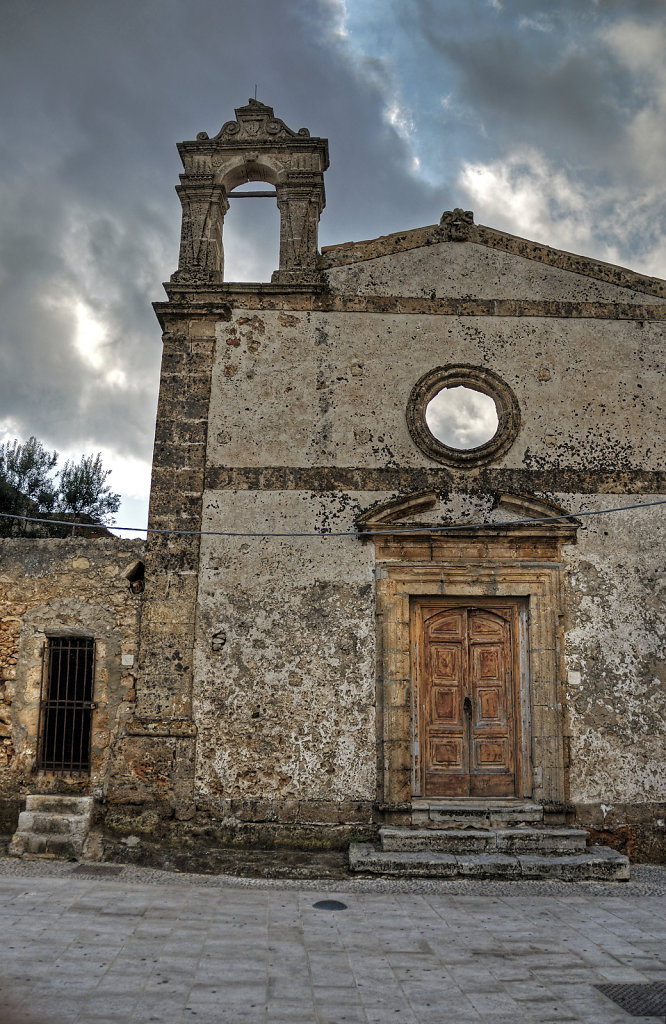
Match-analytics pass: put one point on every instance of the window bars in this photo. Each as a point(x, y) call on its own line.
point(66, 705)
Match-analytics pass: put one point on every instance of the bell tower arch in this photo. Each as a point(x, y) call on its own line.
point(257, 146)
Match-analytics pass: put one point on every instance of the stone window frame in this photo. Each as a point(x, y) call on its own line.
point(478, 379)
point(48, 676)
point(41, 622)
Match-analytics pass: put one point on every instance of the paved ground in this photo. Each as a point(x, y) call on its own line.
point(148, 946)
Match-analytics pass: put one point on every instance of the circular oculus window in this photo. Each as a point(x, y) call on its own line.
point(462, 415)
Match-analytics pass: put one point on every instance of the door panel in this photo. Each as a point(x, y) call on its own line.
point(467, 706)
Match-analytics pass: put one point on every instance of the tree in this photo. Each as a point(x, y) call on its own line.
point(82, 489)
point(29, 487)
point(26, 484)
point(26, 469)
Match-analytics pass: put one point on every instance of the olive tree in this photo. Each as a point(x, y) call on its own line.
point(83, 489)
point(31, 488)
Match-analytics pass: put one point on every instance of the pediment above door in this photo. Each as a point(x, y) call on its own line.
point(428, 513)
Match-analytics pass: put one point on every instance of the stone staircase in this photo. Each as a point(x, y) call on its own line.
point(490, 839)
point(53, 826)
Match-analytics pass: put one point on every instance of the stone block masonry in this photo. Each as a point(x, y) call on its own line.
point(72, 587)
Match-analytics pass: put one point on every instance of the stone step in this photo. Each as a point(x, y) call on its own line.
point(597, 863)
point(542, 841)
point(52, 826)
point(478, 814)
point(29, 844)
point(50, 804)
point(42, 823)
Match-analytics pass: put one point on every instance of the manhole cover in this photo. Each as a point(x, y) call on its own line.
point(329, 905)
point(647, 1000)
point(98, 870)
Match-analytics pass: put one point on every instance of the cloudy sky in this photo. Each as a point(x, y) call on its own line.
point(545, 117)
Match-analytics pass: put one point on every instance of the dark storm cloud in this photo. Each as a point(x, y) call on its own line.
point(538, 73)
point(96, 96)
point(548, 118)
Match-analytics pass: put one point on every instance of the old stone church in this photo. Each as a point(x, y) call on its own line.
point(349, 624)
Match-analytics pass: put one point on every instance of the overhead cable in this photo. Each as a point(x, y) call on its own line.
point(390, 531)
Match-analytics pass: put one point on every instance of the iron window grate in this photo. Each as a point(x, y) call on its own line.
point(66, 705)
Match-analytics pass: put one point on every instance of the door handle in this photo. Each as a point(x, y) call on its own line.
point(467, 705)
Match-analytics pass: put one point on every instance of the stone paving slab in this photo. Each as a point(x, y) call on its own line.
point(149, 946)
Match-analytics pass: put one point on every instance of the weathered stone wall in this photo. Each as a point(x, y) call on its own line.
point(257, 706)
point(154, 765)
point(616, 673)
point(285, 660)
point(307, 429)
point(285, 666)
point(306, 390)
point(283, 409)
point(63, 586)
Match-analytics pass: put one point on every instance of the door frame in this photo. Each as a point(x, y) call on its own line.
point(515, 611)
point(522, 561)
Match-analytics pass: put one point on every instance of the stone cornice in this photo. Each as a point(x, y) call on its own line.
point(401, 241)
point(208, 299)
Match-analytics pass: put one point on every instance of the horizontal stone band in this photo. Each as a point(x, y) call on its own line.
point(340, 478)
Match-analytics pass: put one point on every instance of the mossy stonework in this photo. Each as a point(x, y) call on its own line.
point(276, 699)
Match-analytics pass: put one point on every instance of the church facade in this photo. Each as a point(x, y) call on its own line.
point(355, 621)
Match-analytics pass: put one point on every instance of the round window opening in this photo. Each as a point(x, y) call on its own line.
point(463, 415)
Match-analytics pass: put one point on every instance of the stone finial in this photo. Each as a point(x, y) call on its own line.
point(257, 121)
point(457, 225)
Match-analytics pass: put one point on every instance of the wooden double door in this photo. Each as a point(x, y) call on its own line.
point(467, 676)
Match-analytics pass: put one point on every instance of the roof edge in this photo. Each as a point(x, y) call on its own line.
point(348, 253)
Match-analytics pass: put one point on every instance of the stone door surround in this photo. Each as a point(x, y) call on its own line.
point(520, 561)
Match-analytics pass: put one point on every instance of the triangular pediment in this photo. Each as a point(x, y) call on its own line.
point(463, 260)
point(424, 512)
point(257, 120)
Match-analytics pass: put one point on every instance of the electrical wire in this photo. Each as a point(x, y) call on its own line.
point(572, 516)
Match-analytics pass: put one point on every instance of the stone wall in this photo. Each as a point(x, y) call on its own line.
point(319, 393)
point(285, 660)
point(262, 690)
point(73, 586)
point(616, 675)
point(307, 429)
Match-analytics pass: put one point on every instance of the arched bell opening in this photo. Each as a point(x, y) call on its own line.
point(251, 232)
point(251, 170)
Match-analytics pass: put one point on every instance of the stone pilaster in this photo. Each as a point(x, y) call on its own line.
point(204, 204)
point(160, 743)
point(300, 200)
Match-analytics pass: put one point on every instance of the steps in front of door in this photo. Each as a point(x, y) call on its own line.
point(484, 814)
point(52, 826)
point(528, 853)
point(539, 841)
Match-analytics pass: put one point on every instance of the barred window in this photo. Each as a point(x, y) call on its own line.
point(66, 704)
